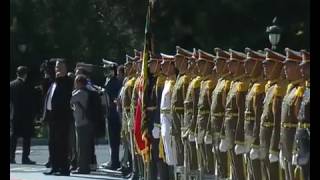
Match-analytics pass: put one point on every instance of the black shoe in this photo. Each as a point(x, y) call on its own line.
point(73, 168)
point(50, 172)
point(80, 172)
point(48, 164)
point(62, 173)
point(111, 167)
point(28, 161)
point(125, 170)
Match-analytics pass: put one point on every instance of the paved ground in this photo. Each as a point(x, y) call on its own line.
point(40, 155)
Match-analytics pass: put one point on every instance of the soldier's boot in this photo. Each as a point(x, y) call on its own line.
point(210, 162)
point(179, 168)
point(163, 170)
point(201, 159)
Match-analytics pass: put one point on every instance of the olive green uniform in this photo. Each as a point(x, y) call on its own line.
point(189, 122)
point(253, 111)
point(270, 127)
point(234, 124)
point(290, 104)
point(217, 112)
point(205, 154)
point(177, 110)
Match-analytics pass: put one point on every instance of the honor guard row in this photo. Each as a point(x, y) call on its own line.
point(230, 115)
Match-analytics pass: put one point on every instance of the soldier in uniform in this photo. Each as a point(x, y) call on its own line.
point(178, 96)
point(234, 114)
point(190, 115)
point(205, 64)
point(125, 102)
point(289, 110)
point(218, 99)
point(166, 118)
point(253, 111)
point(270, 118)
point(302, 137)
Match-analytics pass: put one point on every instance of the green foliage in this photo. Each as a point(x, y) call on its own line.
point(94, 29)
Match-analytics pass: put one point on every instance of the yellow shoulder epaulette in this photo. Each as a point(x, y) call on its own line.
point(241, 87)
point(278, 91)
point(196, 82)
point(258, 88)
point(289, 87)
point(160, 81)
point(185, 79)
point(131, 82)
point(209, 84)
point(299, 92)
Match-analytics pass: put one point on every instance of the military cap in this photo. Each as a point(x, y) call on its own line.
point(154, 57)
point(236, 56)
point(183, 52)
point(254, 55)
point(138, 55)
point(167, 58)
point(305, 57)
point(293, 56)
point(129, 59)
point(204, 56)
point(221, 54)
point(84, 66)
point(273, 56)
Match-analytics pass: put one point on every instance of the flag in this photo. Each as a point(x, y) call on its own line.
point(142, 142)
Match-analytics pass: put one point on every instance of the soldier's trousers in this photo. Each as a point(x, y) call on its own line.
point(192, 155)
point(126, 153)
point(222, 164)
point(238, 171)
point(205, 158)
point(254, 169)
point(176, 132)
point(157, 166)
point(271, 170)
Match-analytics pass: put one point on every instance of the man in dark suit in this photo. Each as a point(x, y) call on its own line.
point(22, 115)
point(58, 114)
point(112, 89)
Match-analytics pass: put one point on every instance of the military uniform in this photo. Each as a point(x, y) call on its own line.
point(177, 109)
point(253, 111)
point(204, 145)
point(217, 115)
point(302, 137)
point(126, 115)
point(290, 104)
point(166, 119)
point(234, 119)
point(270, 121)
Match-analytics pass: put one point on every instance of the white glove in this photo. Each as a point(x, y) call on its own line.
point(239, 149)
point(156, 132)
point(208, 139)
point(254, 153)
point(191, 137)
point(295, 159)
point(273, 157)
point(223, 145)
point(282, 163)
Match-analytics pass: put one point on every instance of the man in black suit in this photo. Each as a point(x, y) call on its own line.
point(22, 115)
point(112, 88)
point(58, 114)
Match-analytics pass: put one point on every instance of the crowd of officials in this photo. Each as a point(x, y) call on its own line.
point(73, 110)
point(229, 115)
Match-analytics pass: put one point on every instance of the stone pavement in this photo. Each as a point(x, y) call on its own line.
point(40, 155)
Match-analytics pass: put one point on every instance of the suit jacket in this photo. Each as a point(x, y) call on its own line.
point(22, 108)
point(60, 102)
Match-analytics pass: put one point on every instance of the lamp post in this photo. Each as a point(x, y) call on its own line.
point(274, 33)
